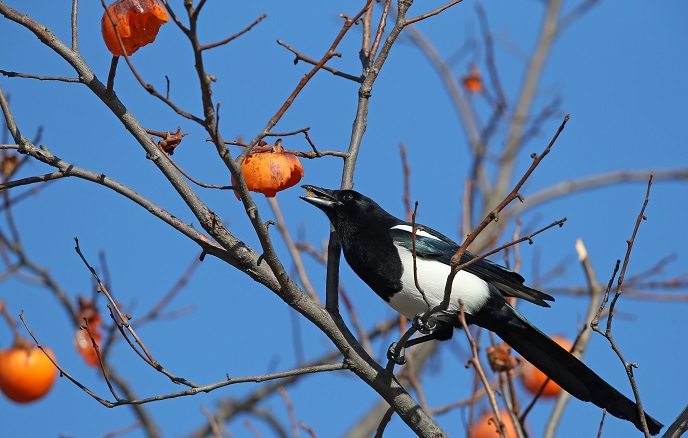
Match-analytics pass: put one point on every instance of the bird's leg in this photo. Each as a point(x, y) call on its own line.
point(441, 332)
point(398, 358)
point(425, 328)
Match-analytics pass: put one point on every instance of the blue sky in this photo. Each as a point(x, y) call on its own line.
point(620, 71)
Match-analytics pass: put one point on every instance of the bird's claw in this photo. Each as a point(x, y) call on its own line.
point(425, 328)
point(399, 357)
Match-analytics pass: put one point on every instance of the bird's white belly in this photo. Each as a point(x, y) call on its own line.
point(432, 277)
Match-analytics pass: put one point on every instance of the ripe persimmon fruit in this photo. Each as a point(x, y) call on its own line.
point(533, 379)
point(85, 348)
point(472, 81)
point(271, 171)
point(473, 84)
point(138, 23)
point(486, 427)
point(26, 373)
point(88, 312)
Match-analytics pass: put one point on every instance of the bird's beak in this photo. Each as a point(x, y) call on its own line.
point(324, 199)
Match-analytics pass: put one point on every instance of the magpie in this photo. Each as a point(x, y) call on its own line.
point(378, 247)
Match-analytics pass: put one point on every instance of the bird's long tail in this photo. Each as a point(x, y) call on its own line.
point(564, 369)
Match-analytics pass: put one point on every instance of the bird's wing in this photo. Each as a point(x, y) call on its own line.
point(433, 245)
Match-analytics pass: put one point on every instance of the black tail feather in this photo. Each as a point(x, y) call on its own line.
point(563, 368)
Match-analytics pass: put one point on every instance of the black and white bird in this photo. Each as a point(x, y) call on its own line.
point(378, 247)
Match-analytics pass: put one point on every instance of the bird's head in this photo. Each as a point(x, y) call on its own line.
point(346, 209)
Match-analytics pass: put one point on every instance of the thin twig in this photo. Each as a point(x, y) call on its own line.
point(466, 114)
point(111, 75)
point(412, 376)
point(123, 430)
point(607, 333)
point(577, 12)
point(348, 23)
point(309, 430)
point(384, 421)
point(74, 25)
point(378, 35)
point(528, 238)
point(32, 180)
point(599, 430)
point(122, 322)
point(582, 340)
point(192, 179)
point(63, 372)
point(236, 380)
point(406, 168)
point(587, 183)
point(286, 134)
point(525, 100)
point(190, 391)
point(295, 253)
point(212, 422)
point(235, 36)
point(492, 216)
point(10, 321)
point(301, 57)
point(290, 409)
point(432, 13)
point(14, 74)
point(363, 337)
point(476, 394)
point(414, 233)
point(44, 155)
point(475, 361)
point(490, 59)
point(96, 347)
point(230, 408)
point(183, 280)
point(310, 155)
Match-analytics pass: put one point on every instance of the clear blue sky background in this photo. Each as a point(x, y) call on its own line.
point(620, 69)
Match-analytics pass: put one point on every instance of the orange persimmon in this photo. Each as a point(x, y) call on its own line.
point(26, 373)
point(472, 81)
point(486, 427)
point(85, 348)
point(138, 23)
point(271, 171)
point(533, 378)
point(88, 313)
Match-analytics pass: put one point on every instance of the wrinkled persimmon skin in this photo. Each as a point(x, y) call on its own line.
point(271, 172)
point(26, 374)
point(138, 23)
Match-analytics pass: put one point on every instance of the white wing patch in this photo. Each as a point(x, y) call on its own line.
point(432, 277)
point(419, 232)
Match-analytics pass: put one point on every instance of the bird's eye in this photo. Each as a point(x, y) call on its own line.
point(347, 197)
